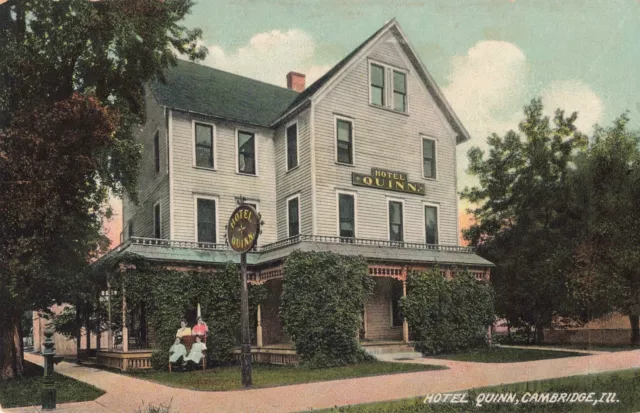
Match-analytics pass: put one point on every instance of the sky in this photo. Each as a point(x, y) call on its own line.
point(490, 57)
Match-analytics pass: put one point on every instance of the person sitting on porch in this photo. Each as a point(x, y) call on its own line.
point(183, 330)
point(177, 352)
point(201, 329)
point(195, 355)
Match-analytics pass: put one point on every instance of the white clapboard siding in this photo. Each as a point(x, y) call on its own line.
point(152, 186)
point(223, 182)
point(385, 140)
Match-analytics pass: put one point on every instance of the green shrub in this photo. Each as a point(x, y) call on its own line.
point(447, 315)
point(160, 360)
point(323, 301)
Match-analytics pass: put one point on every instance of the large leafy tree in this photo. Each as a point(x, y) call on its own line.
point(607, 183)
point(522, 217)
point(71, 90)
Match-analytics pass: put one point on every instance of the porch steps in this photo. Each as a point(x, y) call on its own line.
point(390, 348)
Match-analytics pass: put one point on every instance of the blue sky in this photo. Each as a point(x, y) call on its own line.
point(490, 57)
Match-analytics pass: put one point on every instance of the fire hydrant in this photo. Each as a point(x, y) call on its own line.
point(48, 386)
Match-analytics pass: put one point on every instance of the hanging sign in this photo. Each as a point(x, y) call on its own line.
point(243, 228)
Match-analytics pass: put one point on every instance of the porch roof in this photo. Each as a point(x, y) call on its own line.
point(378, 250)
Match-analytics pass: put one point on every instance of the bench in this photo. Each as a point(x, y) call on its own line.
point(188, 342)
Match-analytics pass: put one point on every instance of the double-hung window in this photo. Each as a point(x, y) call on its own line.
point(377, 85)
point(344, 141)
point(157, 224)
point(156, 151)
point(204, 145)
point(206, 216)
point(293, 216)
point(292, 146)
point(431, 224)
point(399, 91)
point(347, 215)
point(429, 158)
point(396, 225)
point(246, 153)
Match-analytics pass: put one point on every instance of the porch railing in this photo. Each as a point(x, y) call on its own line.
point(304, 238)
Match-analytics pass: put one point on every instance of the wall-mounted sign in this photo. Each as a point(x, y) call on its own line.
point(243, 228)
point(389, 180)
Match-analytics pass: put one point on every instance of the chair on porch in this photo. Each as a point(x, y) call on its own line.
point(188, 342)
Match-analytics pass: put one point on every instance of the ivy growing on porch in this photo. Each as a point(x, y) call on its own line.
point(447, 315)
point(169, 293)
point(323, 301)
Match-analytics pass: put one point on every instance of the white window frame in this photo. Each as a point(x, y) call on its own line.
point(157, 204)
point(256, 146)
point(355, 210)
point(404, 230)
point(424, 220)
point(286, 144)
point(388, 82)
point(214, 198)
point(299, 216)
point(335, 139)
point(213, 144)
point(435, 156)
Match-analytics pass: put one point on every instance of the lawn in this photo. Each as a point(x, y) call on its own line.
point(25, 391)
point(594, 347)
point(506, 355)
point(228, 378)
point(625, 384)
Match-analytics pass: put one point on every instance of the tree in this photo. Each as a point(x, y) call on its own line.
point(607, 273)
point(523, 223)
point(71, 89)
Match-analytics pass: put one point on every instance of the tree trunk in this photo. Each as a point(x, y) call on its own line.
point(78, 332)
point(509, 339)
point(635, 330)
point(11, 363)
point(539, 334)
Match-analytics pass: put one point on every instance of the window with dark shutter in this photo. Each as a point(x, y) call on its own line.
point(156, 151)
point(247, 153)
point(346, 215)
point(206, 220)
point(293, 213)
point(157, 229)
point(292, 146)
point(431, 224)
point(395, 221)
point(344, 135)
point(204, 145)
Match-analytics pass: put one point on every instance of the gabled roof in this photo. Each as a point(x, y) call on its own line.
point(208, 91)
point(202, 89)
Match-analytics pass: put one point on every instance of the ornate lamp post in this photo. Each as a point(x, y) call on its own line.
point(48, 386)
point(243, 230)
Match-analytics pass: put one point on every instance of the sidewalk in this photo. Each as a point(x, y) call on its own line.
point(126, 394)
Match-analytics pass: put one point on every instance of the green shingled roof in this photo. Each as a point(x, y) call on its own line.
point(202, 89)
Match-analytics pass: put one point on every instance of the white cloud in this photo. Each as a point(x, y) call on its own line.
point(574, 96)
point(489, 86)
point(269, 56)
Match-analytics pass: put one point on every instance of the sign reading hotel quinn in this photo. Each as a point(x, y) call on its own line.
point(389, 180)
point(243, 228)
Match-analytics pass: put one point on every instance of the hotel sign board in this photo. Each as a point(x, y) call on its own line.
point(243, 228)
point(389, 180)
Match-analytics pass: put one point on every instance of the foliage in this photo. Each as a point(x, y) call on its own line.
point(27, 390)
point(523, 216)
point(447, 315)
point(152, 408)
point(606, 277)
point(323, 301)
point(225, 378)
point(71, 90)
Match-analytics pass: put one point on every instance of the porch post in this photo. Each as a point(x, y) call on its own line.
point(110, 329)
point(259, 328)
point(98, 323)
point(125, 330)
point(405, 323)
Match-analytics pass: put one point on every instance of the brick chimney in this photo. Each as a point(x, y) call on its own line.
point(295, 81)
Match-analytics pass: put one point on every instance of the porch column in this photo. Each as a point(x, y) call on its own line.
point(405, 324)
point(98, 323)
point(110, 329)
point(125, 330)
point(259, 328)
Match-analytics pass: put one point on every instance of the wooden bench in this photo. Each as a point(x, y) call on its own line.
point(188, 341)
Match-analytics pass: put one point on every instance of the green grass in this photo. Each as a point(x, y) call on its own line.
point(506, 355)
point(594, 347)
point(25, 391)
point(626, 385)
point(228, 378)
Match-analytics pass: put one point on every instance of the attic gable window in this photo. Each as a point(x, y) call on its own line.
point(399, 91)
point(388, 87)
point(377, 85)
